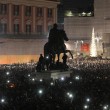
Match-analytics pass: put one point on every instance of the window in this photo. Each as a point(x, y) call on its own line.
point(39, 11)
point(16, 28)
point(28, 28)
point(16, 10)
point(3, 28)
point(49, 12)
point(28, 11)
point(39, 29)
point(3, 9)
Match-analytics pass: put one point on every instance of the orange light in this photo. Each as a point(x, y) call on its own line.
point(10, 59)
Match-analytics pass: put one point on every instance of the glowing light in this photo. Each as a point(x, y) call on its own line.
point(28, 75)
point(89, 14)
point(83, 14)
point(85, 106)
point(7, 73)
point(68, 93)
point(8, 81)
point(33, 79)
point(51, 83)
point(70, 96)
point(77, 77)
point(41, 80)
point(88, 100)
point(40, 91)
point(69, 13)
point(62, 78)
point(47, 57)
point(93, 50)
point(105, 107)
point(2, 100)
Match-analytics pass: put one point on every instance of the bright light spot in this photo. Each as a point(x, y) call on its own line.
point(83, 14)
point(69, 13)
point(77, 77)
point(33, 79)
point(41, 80)
point(2, 100)
point(85, 106)
point(88, 100)
point(70, 95)
point(7, 73)
point(40, 91)
point(89, 14)
point(105, 107)
point(62, 78)
point(93, 50)
point(8, 81)
point(51, 83)
point(28, 75)
point(47, 57)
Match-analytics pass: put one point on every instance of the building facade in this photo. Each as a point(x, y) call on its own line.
point(24, 26)
point(24, 17)
point(80, 28)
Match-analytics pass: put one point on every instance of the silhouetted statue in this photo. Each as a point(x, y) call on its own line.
point(55, 44)
point(53, 34)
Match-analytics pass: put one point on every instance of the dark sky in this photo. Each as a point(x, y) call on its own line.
point(84, 4)
point(80, 3)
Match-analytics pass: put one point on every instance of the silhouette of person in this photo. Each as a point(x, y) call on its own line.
point(64, 61)
point(53, 34)
point(64, 58)
point(41, 62)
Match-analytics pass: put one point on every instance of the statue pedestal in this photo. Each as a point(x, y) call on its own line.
point(55, 74)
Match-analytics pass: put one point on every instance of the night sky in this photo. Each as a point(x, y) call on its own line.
point(79, 4)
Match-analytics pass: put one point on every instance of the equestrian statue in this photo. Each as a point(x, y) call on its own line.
point(55, 45)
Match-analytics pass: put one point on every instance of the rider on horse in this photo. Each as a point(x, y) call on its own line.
point(53, 36)
point(56, 38)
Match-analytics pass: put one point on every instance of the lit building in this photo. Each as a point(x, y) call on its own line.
point(80, 28)
point(25, 17)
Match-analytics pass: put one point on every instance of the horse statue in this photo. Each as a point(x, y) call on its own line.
point(58, 47)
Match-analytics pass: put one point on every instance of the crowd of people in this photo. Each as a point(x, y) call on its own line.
point(88, 87)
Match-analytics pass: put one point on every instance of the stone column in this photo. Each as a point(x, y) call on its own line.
point(10, 18)
point(45, 20)
point(22, 19)
point(34, 19)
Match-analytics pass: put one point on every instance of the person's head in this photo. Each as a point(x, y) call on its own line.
point(55, 25)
